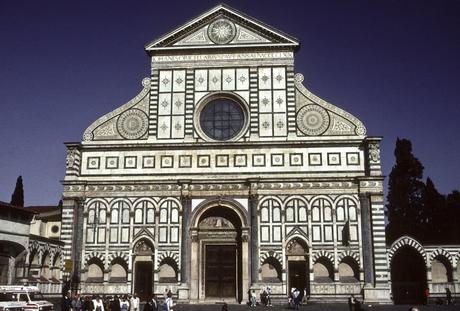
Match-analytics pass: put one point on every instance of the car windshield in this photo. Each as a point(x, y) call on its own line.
point(36, 296)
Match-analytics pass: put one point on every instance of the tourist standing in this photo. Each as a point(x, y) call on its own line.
point(448, 296)
point(269, 296)
point(426, 295)
point(98, 304)
point(115, 304)
point(124, 304)
point(134, 303)
point(253, 298)
point(66, 303)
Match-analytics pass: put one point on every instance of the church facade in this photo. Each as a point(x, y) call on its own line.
point(225, 174)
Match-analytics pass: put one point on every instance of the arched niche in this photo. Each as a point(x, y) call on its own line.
point(323, 270)
point(441, 270)
point(348, 270)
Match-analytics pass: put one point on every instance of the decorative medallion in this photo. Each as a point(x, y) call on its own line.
point(88, 136)
point(221, 31)
point(132, 124)
point(312, 120)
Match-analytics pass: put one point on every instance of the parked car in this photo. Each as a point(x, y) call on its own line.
point(22, 298)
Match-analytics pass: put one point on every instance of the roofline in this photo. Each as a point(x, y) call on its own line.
point(198, 47)
point(148, 46)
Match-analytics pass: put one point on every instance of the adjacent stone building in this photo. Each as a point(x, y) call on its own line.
point(224, 174)
point(30, 249)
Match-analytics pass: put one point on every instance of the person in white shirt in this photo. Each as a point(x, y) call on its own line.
point(134, 303)
point(97, 304)
point(124, 304)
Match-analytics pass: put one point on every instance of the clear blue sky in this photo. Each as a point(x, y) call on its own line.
point(393, 64)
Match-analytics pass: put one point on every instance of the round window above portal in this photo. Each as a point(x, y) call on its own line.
point(221, 117)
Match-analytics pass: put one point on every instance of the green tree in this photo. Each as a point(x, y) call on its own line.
point(17, 198)
point(405, 194)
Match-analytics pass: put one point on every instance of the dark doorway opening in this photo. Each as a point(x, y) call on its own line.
point(220, 274)
point(143, 280)
point(408, 276)
point(297, 275)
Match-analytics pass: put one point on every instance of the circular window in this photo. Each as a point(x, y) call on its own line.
point(55, 229)
point(222, 118)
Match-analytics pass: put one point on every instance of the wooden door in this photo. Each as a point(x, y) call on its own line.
point(220, 271)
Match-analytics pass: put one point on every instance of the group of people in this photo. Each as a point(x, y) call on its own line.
point(116, 303)
point(264, 297)
point(297, 297)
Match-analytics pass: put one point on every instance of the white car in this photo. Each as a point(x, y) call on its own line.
point(23, 298)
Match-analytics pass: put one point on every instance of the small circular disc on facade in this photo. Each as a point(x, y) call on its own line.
point(313, 120)
point(132, 124)
point(221, 31)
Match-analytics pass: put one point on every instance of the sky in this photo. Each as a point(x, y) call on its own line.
point(393, 64)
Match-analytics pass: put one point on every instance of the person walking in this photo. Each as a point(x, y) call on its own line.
point(351, 303)
point(169, 304)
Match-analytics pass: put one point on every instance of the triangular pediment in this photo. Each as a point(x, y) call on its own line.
point(221, 27)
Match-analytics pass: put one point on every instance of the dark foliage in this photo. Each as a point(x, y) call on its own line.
point(17, 198)
point(416, 208)
point(405, 194)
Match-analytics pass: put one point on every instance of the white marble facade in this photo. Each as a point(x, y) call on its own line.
point(225, 154)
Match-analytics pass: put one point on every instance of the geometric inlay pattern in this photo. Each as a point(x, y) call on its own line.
point(313, 120)
point(132, 124)
point(221, 31)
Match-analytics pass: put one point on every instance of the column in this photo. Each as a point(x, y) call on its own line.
point(366, 233)
point(254, 233)
point(195, 268)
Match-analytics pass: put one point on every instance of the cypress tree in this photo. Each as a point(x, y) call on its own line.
point(434, 215)
point(17, 198)
point(453, 216)
point(405, 194)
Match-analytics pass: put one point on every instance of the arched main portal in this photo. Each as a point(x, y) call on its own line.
point(219, 252)
point(408, 276)
point(298, 265)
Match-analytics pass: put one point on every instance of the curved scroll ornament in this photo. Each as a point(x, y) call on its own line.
point(313, 120)
point(129, 121)
point(340, 121)
point(132, 124)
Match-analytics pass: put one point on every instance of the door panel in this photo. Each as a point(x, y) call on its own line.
point(220, 277)
point(298, 275)
point(143, 281)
